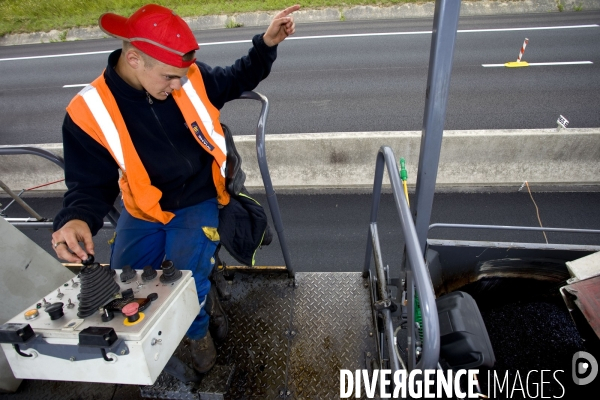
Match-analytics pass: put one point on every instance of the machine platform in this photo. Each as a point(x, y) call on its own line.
point(284, 341)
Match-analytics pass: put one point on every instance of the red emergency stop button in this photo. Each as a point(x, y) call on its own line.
point(131, 311)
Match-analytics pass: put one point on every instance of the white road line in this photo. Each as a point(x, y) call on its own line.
point(328, 37)
point(231, 42)
point(429, 32)
point(89, 53)
point(483, 65)
point(546, 63)
point(538, 28)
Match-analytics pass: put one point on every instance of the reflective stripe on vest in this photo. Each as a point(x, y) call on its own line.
point(94, 102)
point(201, 117)
point(206, 120)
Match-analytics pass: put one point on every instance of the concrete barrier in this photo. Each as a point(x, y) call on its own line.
point(491, 160)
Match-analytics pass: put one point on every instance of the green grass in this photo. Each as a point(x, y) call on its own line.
point(20, 16)
point(232, 24)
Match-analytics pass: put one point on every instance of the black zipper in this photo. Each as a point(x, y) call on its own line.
point(172, 145)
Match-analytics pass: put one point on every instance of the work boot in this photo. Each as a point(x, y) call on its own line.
point(204, 353)
point(218, 324)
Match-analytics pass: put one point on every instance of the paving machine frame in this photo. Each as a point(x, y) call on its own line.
point(248, 366)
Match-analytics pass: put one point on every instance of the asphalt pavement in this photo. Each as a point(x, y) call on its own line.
point(353, 76)
point(328, 232)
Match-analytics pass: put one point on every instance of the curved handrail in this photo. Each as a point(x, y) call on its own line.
point(113, 214)
point(416, 264)
point(261, 154)
point(18, 150)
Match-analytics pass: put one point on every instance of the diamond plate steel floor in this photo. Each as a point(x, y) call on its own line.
point(333, 330)
point(284, 342)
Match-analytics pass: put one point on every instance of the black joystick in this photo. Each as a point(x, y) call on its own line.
point(98, 287)
point(55, 310)
point(88, 261)
point(149, 273)
point(152, 296)
point(127, 294)
point(127, 274)
point(170, 273)
point(107, 315)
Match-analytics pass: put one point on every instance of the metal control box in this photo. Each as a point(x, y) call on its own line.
point(137, 356)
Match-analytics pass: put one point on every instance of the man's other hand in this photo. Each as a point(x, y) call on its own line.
point(281, 27)
point(65, 241)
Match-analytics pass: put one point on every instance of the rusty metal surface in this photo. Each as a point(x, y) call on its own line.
point(291, 342)
point(586, 296)
point(259, 314)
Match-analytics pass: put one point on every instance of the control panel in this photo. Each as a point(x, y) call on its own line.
point(109, 326)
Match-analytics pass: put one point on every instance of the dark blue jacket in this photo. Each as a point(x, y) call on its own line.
point(176, 164)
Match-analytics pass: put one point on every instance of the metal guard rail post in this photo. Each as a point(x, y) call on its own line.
point(113, 214)
point(261, 153)
point(416, 264)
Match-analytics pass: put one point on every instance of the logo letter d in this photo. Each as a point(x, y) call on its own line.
point(579, 368)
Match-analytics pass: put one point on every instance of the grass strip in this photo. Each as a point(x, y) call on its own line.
point(23, 16)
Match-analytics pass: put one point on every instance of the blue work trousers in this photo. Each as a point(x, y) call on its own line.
point(139, 243)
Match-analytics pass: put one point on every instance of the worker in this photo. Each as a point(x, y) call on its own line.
point(149, 127)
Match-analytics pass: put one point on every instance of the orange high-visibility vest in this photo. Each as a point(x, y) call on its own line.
point(95, 111)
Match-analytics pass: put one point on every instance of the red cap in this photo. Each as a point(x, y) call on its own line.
point(155, 30)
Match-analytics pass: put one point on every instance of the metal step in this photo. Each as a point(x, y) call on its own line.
point(285, 340)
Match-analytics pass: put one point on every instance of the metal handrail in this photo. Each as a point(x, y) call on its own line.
point(113, 214)
point(513, 228)
point(18, 150)
point(416, 269)
point(261, 154)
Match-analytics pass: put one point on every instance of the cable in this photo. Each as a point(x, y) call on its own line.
point(396, 347)
point(537, 211)
point(45, 184)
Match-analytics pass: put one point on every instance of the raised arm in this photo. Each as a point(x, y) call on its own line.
point(281, 27)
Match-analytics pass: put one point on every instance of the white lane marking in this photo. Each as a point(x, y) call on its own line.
point(429, 32)
point(89, 53)
point(546, 63)
point(327, 37)
point(231, 42)
point(538, 28)
point(483, 65)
